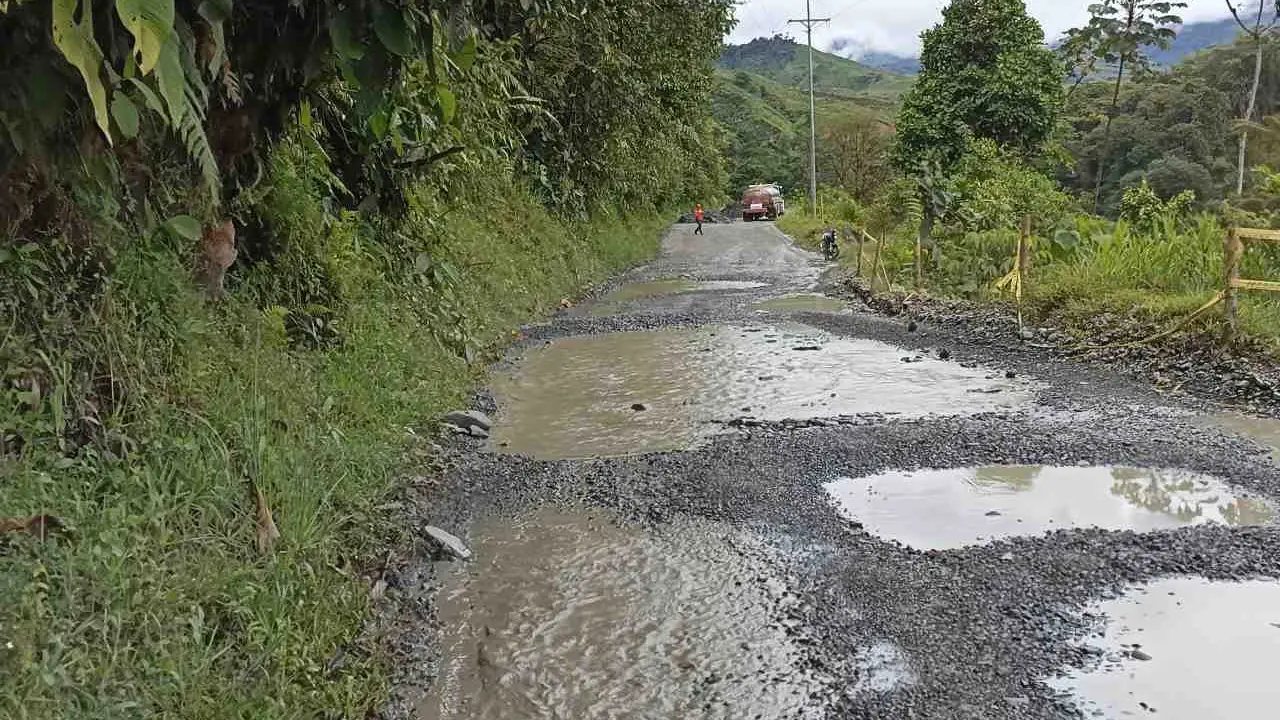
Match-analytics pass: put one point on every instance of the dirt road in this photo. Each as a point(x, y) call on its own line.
point(713, 493)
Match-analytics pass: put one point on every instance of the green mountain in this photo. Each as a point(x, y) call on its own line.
point(786, 62)
point(761, 99)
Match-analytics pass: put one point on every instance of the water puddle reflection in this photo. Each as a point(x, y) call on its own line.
point(632, 392)
point(1185, 649)
point(939, 509)
point(570, 615)
point(802, 302)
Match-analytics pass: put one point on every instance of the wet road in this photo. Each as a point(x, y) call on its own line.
point(714, 492)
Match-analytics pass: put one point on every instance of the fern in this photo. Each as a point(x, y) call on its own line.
point(162, 68)
point(913, 209)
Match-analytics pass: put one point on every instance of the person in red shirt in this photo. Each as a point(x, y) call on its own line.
point(697, 217)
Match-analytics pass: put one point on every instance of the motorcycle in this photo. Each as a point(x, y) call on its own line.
point(830, 249)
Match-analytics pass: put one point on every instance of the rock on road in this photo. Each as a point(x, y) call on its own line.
point(816, 513)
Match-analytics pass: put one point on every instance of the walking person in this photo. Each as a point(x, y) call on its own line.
point(697, 217)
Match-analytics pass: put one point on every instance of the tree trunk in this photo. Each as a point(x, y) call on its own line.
point(1248, 115)
point(1106, 139)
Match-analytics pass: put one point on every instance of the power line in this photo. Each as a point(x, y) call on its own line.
point(808, 22)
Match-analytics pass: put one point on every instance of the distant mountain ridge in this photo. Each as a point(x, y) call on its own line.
point(1192, 38)
point(786, 62)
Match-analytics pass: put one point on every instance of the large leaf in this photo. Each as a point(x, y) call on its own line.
point(73, 35)
point(126, 115)
point(151, 24)
point(184, 226)
point(392, 29)
point(171, 80)
point(448, 104)
point(344, 35)
point(466, 55)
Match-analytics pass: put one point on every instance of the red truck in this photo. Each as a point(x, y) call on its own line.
point(763, 202)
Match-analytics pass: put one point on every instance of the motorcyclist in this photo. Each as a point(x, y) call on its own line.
point(829, 247)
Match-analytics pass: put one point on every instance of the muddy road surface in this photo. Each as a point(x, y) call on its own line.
point(714, 492)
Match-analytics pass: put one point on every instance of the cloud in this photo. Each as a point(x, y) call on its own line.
point(895, 25)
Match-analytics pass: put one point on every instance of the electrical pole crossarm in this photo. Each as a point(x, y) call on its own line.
point(809, 21)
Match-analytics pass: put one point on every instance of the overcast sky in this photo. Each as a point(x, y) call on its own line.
point(895, 25)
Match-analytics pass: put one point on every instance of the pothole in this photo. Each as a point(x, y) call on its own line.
point(802, 302)
point(663, 390)
point(572, 615)
point(1185, 649)
point(941, 509)
point(1265, 431)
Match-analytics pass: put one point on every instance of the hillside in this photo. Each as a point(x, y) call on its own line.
point(1195, 37)
point(786, 62)
point(761, 99)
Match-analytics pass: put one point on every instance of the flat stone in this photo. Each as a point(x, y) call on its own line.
point(447, 543)
point(469, 419)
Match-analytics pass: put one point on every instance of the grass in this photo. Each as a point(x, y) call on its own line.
point(1157, 276)
point(157, 603)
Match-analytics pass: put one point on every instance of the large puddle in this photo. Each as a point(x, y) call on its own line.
point(1186, 649)
point(940, 509)
point(569, 615)
point(625, 393)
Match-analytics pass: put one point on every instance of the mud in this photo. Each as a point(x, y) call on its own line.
point(1265, 431)
point(802, 302)
point(1185, 649)
point(665, 390)
point(578, 615)
point(938, 509)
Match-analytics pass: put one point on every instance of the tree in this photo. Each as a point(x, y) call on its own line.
point(855, 156)
point(1117, 32)
point(985, 74)
point(1257, 32)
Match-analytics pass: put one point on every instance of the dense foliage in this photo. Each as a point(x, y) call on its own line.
point(985, 74)
point(391, 187)
point(1175, 129)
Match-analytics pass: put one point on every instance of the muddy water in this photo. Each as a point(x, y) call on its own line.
point(1213, 648)
point(941, 509)
point(616, 301)
point(802, 302)
point(580, 397)
point(1265, 431)
point(569, 615)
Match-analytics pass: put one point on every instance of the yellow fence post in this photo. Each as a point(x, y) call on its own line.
point(857, 272)
point(1024, 247)
point(1231, 264)
point(919, 262)
point(875, 267)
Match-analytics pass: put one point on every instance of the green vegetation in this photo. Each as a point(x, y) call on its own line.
point(248, 253)
point(1167, 193)
point(761, 99)
point(985, 75)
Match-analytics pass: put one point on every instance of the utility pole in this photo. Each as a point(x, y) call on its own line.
point(808, 22)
